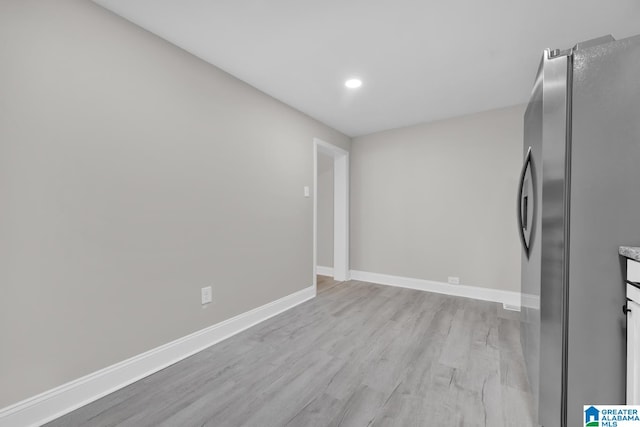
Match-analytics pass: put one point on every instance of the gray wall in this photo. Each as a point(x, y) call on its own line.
point(131, 175)
point(439, 199)
point(325, 210)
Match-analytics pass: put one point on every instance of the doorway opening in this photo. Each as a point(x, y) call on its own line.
point(330, 213)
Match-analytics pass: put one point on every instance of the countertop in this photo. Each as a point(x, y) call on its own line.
point(631, 252)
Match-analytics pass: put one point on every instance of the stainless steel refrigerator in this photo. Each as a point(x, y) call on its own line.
point(579, 200)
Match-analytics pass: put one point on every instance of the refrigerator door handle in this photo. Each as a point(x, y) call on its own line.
point(522, 220)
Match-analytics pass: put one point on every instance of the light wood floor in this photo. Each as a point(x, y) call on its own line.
point(357, 355)
point(326, 282)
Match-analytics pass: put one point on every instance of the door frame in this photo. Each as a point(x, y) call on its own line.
point(340, 209)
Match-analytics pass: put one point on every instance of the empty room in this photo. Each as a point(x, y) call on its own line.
point(319, 213)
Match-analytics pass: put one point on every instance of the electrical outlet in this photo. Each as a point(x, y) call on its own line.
point(454, 280)
point(207, 295)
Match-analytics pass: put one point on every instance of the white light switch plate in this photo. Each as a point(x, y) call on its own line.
point(454, 280)
point(207, 295)
point(306, 191)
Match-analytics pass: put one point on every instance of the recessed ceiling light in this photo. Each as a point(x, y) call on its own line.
point(353, 83)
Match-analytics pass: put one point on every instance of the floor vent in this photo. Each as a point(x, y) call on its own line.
point(511, 307)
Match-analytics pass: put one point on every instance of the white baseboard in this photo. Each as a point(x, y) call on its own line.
point(56, 402)
point(324, 271)
point(475, 292)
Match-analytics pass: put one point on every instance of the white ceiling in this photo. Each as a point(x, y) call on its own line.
point(419, 60)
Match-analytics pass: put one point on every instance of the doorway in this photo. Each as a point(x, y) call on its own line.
point(334, 161)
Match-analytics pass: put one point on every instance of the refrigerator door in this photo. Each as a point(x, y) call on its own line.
point(542, 314)
point(530, 303)
point(553, 238)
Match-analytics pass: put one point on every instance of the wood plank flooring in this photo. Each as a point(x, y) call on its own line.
point(357, 355)
point(325, 283)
